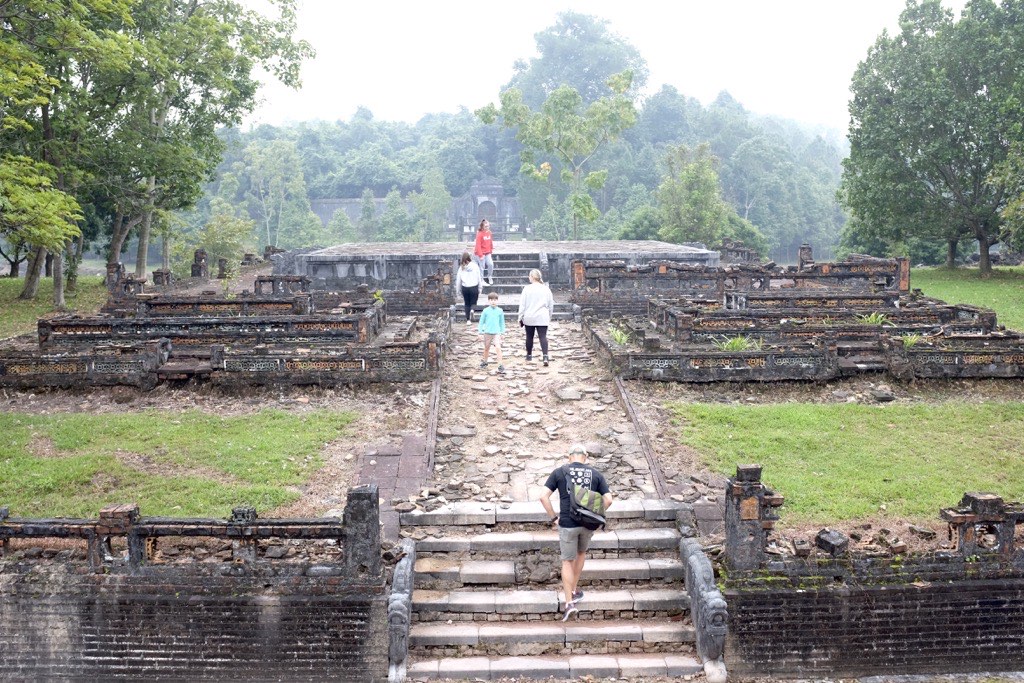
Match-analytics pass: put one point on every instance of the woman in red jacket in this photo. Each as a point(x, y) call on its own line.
point(482, 250)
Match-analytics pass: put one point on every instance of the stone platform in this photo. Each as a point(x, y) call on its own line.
point(392, 265)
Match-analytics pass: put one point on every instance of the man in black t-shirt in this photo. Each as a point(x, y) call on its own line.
point(573, 538)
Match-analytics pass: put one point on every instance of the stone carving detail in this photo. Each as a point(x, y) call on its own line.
point(117, 367)
point(252, 365)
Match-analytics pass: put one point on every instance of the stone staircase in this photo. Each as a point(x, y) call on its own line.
point(512, 272)
point(487, 600)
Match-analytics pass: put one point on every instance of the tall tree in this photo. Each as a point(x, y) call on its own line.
point(341, 228)
point(368, 223)
point(570, 133)
point(935, 111)
point(432, 204)
point(580, 52)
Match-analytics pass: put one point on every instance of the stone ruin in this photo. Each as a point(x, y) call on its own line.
point(825, 609)
point(280, 334)
point(814, 321)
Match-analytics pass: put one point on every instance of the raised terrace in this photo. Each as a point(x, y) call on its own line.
point(671, 321)
point(280, 334)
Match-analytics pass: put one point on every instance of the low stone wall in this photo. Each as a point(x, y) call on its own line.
point(245, 617)
point(833, 613)
point(132, 364)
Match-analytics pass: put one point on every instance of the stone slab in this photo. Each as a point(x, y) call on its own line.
point(464, 667)
point(598, 666)
point(601, 631)
point(665, 568)
point(617, 600)
point(626, 509)
point(454, 514)
point(529, 667)
point(438, 633)
point(656, 509)
point(425, 669)
point(511, 542)
point(445, 544)
point(602, 540)
point(660, 600)
point(523, 511)
point(471, 601)
point(487, 571)
point(607, 569)
point(672, 632)
point(430, 601)
point(525, 602)
point(522, 632)
point(437, 568)
point(679, 665)
point(634, 666)
point(647, 539)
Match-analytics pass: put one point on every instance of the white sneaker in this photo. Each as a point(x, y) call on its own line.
point(490, 281)
point(469, 322)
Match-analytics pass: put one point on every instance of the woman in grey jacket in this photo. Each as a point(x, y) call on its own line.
point(535, 307)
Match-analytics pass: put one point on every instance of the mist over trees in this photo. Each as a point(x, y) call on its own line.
point(600, 178)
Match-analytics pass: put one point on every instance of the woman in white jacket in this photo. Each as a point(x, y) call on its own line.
point(535, 307)
point(469, 283)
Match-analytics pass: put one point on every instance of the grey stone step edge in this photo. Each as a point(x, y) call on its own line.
point(659, 538)
point(571, 667)
point(471, 512)
point(548, 601)
point(503, 572)
point(471, 633)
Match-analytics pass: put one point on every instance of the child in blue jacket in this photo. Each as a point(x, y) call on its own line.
point(492, 326)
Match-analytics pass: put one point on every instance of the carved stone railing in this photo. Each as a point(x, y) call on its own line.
point(708, 610)
point(400, 612)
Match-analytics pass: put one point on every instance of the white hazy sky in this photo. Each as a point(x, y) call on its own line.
point(403, 58)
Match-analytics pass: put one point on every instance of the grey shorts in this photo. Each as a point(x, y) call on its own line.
point(572, 542)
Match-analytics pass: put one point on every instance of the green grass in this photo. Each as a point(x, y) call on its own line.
point(19, 317)
point(199, 464)
point(1003, 292)
point(843, 462)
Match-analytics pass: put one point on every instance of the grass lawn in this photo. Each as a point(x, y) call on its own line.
point(180, 464)
point(843, 462)
point(19, 317)
point(1003, 292)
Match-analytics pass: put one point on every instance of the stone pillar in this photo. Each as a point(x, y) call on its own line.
point(199, 267)
point(115, 273)
point(243, 548)
point(749, 517)
point(222, 269)
point(981, 524)
point(805, 256)
point(362, 532)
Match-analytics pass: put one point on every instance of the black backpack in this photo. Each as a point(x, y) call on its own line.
point(586, 507)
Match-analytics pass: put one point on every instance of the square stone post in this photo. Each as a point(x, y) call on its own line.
point(362, 532)
point(749, 517)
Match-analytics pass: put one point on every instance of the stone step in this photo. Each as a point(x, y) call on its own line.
point(504, 543)
point(549, 602)
point(571, 667)
point(470, 512)
point(503, 572)
point(473, 634)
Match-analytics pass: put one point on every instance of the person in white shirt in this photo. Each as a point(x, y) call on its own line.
point(535, 308)
point(469, 282)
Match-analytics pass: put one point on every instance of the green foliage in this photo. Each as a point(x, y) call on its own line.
point(20, 316)
point(690, 200)
point(277, 196)
point(368, 224)
point(224, 236)
point(1002, 291)
point(395, 224)
point(738, 343)
point(874, 318)
point(184, 463)
point(911, 340)
point(893, 455)
point(432, 204)
point(931, 125)
point(341, 228)
point(620, 335)
point(32, 211)
point(569, 131)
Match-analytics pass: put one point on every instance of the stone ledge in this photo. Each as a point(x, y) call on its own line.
point(471, 512)
point(574, 666)
point(547, 601)
point(517, 541)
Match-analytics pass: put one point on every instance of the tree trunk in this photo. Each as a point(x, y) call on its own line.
point(147, 220)
point(165, 250)
point(75, 250)
point(951, 253)
point(58, 280)
point(15, 269)
point(35, 269)
point(984, 262)
point(121, 229)
point(49, 266)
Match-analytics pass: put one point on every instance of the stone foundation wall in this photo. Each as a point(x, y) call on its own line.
point(187, 624)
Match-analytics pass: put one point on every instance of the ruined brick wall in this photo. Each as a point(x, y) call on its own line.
point(904, 627)
point(177, 623)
